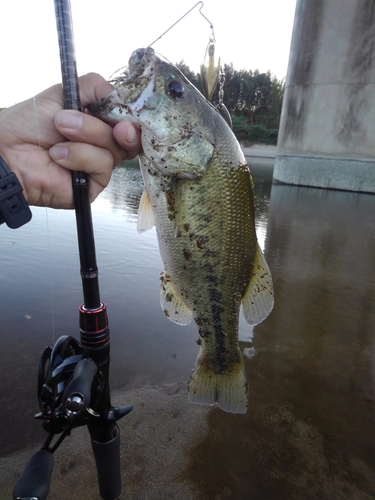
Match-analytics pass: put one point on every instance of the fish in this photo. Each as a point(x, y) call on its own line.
point(199, 193)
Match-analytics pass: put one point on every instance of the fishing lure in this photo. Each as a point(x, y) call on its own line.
point(210, 72)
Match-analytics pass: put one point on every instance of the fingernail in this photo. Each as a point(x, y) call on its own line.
point(131, 135)
point(58, 152)
point(69, 119)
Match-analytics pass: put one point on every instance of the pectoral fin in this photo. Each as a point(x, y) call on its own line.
point(258, 300)
point(170, 300)
point(146, 218)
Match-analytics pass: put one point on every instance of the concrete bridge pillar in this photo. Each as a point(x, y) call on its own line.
point(327, 127)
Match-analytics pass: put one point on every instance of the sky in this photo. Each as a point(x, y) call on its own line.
point(251, 35)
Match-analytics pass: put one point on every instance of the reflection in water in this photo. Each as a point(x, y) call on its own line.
point(262, 176)
point(309, 431)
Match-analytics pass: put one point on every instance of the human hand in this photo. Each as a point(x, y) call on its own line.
point(33, 142)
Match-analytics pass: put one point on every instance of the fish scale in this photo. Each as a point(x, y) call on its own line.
point(199, 194)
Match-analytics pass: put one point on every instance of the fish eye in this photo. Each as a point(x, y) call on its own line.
point(175, 89)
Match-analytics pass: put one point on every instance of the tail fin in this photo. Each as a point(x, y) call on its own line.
point(228, 390)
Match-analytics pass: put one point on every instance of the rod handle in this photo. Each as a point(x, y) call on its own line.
point(36, 478)
point(107, 458)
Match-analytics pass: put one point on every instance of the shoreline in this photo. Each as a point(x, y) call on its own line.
point(263, 151)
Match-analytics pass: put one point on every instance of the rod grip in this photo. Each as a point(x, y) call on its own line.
point(107, 458)
point(36, 478)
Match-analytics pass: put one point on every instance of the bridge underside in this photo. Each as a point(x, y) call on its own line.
point(327, 125)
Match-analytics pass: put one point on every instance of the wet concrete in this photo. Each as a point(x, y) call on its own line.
point(154, 438)
point(288, 446)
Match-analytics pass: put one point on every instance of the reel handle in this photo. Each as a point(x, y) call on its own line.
point(80, 387)
point(36, 478)
point(77, 395)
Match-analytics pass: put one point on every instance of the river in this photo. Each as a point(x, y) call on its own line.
point(309, 431)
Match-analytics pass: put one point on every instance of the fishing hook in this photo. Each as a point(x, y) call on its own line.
point(200, 10)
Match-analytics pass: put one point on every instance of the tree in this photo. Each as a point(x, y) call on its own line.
point(254, 98)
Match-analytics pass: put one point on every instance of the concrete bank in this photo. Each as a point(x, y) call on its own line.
point(261, 154)
point(327, 124)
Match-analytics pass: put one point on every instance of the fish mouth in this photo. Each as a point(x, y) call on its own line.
point(137, 64)
point(128, 87)
point(109, 108)
point(138, 61)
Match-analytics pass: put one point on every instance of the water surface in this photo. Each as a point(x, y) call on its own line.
point(310, 365)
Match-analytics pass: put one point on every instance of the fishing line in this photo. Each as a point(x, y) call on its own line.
point(186, 13)
point(48, 234)
point(113, 79)
point(50, 278)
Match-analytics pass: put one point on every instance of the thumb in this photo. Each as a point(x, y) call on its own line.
point(128, 137)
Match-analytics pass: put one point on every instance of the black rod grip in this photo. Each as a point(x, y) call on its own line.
point(36, 478)
point(107, 458)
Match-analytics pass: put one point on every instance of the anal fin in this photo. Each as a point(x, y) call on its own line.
point(258, 300)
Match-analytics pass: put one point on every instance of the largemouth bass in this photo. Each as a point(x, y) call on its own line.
point(199, 195)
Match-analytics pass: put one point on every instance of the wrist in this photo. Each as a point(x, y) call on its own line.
point(14, 210)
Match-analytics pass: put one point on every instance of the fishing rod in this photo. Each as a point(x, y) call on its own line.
point(73, 385)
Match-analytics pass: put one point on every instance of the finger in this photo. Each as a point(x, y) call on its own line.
point(93, 87)
point(95, 161)
point(84, 128)
point(128, 137)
